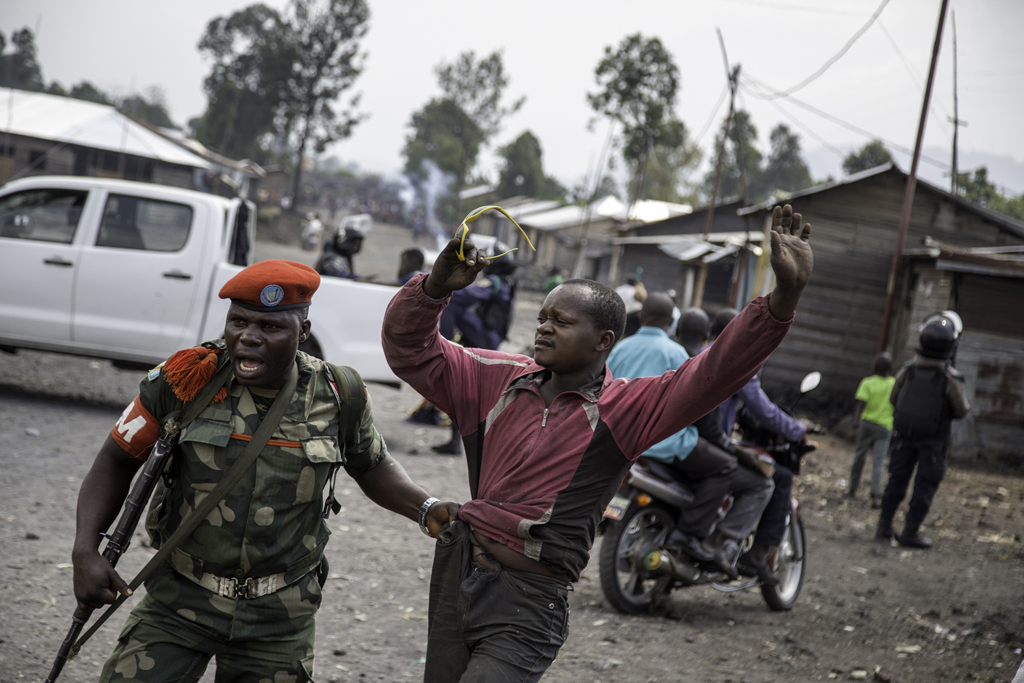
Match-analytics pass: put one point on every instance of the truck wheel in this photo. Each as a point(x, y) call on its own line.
point(626, 584)
point(312, 347)
point(789, 567)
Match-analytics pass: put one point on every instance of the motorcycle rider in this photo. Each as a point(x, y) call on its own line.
point(650, 353)
point(752, 486)
point(773, 520)
point(928, 395)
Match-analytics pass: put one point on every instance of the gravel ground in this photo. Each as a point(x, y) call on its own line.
point(948, 614)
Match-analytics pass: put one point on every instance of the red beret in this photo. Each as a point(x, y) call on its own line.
point(272, 286)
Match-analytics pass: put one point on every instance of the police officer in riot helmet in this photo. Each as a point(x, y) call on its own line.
point(338, 252)
point(928, 395)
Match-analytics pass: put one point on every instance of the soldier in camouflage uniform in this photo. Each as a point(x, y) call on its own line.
point(243, 586)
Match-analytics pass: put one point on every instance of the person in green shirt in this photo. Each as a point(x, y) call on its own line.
point(873, 426)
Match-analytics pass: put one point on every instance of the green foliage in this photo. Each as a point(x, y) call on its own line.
point(581, 195)
point(477, 88)
point(786, 168)
point(871, 155)
point(740, 145)
point(151, 110)
point(445, 134)
point(89, 92)
point(667, 172)
point(252, 56)
point(523, 172)
point(20, 68)
point(977, 188)
point(638, 83)
point(278, 77)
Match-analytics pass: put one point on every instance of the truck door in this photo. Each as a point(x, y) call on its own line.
point(137, 284)
point(38, 261)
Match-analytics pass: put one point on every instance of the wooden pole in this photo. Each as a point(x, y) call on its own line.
point(908, 193)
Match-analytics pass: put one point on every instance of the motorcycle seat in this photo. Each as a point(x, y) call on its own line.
point(666, 472)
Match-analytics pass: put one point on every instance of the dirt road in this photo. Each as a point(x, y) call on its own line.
point(949, 614)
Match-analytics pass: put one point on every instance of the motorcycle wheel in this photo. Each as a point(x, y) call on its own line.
point(789, 567)
point(626, 584)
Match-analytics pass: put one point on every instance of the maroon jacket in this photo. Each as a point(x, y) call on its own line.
point(541, 477)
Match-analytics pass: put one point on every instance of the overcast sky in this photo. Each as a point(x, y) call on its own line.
point(551, 49)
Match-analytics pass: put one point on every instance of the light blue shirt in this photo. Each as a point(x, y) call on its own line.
point(649, 353)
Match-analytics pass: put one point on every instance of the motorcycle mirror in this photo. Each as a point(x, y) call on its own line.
point(810, 382)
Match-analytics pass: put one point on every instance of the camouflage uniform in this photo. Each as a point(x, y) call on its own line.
point(269, 525)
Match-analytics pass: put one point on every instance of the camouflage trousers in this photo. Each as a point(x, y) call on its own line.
point(176, 629)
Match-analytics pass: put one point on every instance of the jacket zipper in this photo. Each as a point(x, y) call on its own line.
point(544, 422)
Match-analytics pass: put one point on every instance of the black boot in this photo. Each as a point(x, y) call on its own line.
point(911, 538)
point(885, 532)
point(754, 563)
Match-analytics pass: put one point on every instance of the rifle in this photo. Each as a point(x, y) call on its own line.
point(117, 542)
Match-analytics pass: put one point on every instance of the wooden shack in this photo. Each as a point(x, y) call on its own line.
point(854, 223)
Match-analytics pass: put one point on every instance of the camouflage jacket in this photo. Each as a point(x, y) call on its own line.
point(270, 522)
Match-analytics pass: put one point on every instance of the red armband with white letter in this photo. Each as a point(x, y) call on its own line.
point(136, 431)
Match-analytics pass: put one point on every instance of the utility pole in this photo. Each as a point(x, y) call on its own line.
point(734, 77)
point(956, 121)
point(908, 193)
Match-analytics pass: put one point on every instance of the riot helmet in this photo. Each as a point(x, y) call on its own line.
point(499, 262)
point(937, 338)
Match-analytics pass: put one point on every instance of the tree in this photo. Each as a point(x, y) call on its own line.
point(786, 168)
point(151, 109)
point(667, 172)
point(85, 90)
point(445, 136)
point(638, 83)
point(523, 171)
point(280, 75)
point(740, 146)
point(325, 36)
point(871, 155)
point(477, 87)
point(19, 68)
point(977, 188)
point(252, 57)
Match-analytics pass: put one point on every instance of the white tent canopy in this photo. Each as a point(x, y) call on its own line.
point(99, 126)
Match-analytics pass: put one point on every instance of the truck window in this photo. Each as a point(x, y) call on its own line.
point(45, 215)
point(145, 224)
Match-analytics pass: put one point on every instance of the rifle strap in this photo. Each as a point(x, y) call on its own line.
point(245, 460)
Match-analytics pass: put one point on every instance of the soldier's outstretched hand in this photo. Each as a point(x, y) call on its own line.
point(792, 260)
point(450, 272)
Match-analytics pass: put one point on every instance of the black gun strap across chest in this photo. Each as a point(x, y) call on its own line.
point(245, 460)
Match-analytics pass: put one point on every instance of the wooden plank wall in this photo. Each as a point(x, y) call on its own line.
point(839, 319)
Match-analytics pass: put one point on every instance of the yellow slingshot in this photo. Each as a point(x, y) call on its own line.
point(472, 216)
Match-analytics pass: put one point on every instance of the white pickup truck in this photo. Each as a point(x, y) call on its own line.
point(130, 272)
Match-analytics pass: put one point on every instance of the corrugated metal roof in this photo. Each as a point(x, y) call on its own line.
point(1002, 220)
point(64, 119)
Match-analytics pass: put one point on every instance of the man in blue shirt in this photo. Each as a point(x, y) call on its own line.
point(651, 352)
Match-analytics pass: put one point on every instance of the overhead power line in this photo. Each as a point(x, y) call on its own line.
point(711, 118)
point(750, 80)
point(835, 58)
point(798, 8)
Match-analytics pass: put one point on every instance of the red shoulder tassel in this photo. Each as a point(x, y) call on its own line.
point(189, 370)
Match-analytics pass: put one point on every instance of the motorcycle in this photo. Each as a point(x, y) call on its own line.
point(636, 573)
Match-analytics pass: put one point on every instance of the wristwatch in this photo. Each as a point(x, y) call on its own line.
point(424, 509)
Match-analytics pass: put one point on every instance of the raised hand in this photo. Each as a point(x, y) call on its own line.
point(792, 260)
point(450, 273)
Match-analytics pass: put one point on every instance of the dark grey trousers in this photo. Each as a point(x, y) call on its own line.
point(490, 626)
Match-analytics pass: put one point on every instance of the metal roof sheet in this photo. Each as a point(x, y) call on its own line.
point(67, 120)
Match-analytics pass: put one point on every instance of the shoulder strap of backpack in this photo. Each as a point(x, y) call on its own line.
point(350, 394)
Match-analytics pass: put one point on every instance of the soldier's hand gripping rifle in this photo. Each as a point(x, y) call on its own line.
point(118, 541)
